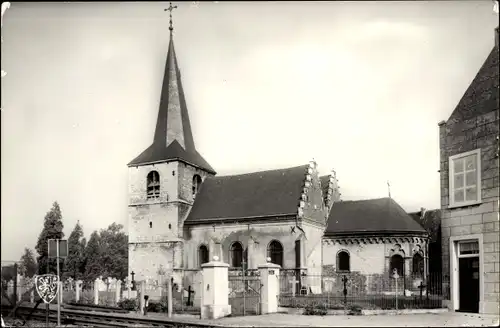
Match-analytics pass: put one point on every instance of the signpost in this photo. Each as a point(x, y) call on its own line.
point(58, 248)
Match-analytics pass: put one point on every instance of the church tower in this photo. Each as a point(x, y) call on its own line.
point(163, 181)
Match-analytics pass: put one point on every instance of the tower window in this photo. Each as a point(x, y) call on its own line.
point(196, 184)
point(169, 226)
point(153, 185)
point(150, 224)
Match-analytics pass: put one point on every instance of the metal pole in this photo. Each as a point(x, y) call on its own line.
point(47, 304)
point(59, 286)
point(396, 293)
point(244, 288)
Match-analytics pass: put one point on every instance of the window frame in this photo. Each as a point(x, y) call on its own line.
point(276, 253)
point(200, 260)
point(232, 257)
point(348, 262)
point(451, 176)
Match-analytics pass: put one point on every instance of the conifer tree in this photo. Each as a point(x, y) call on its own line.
point(75, 253)
point(52, 229)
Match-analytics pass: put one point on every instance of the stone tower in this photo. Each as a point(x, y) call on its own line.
point(163, 182)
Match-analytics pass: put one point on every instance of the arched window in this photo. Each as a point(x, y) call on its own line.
point(153, 185)
point(343, 261)
point(275, 252)
point(418, 264)
point(196, 184)
point(398, 263)
point(236, 255)
point(203, 254)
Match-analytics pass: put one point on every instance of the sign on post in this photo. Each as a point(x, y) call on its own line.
point(47, 287)
point(63, 248)
point(58, 248)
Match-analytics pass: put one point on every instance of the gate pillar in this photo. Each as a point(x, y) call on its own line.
point(269, 279)
point(215, 290)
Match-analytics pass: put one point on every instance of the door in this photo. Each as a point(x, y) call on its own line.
point(468, 280)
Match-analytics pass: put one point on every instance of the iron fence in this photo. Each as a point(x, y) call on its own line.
point(369, 291)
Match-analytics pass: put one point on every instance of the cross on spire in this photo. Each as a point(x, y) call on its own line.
point(170, 9)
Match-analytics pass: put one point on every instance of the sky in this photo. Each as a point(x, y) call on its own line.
point(358, 86)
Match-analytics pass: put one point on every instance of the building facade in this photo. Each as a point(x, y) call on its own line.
point(469, 151)
point(181, 214)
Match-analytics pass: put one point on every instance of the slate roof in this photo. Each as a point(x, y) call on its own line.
point(257, 194)
point(481, 97)
point(158, 151)
point(372, 216)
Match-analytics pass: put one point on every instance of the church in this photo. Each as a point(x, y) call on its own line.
point(182, 214)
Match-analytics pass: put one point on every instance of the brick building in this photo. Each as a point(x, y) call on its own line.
point(181, 214)
point(469, 150)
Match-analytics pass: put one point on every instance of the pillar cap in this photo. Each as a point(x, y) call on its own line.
point(215, 263)
point(269, 265)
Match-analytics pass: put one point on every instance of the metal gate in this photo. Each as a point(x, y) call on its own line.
point(244, 294)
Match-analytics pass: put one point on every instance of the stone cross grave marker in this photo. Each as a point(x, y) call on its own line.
point(294, 283)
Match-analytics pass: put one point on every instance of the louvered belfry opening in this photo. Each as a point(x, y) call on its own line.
point(153, 185)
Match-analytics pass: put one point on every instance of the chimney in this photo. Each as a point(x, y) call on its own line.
point(496, 37)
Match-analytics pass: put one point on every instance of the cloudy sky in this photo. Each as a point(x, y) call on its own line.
point(359, 86)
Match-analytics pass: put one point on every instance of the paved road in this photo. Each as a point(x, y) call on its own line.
point(449, 319)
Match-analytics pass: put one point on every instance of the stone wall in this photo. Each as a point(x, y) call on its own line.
point(370, 258)
point(474, 125)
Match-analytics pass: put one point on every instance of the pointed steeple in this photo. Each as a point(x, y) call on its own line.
point(173, 138)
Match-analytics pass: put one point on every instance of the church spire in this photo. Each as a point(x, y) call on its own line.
point(173, 138)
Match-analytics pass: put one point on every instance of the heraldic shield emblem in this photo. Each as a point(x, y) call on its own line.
point(47, 287)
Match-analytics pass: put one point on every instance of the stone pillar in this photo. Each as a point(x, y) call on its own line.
point(215, 290)
point(118, 290)
point(96, 291)
point(269, 279)
point(78, 289)
point(32, 296)
point(142, 292)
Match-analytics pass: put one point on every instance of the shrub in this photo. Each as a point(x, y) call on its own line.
point(354, 309)
point(129, 304)
point(317, 309)
point(156, 306)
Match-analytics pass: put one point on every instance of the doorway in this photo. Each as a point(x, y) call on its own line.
point(468, 273)
point(468, 277)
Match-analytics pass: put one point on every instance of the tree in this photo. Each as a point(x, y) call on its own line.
point(52, 229)
point(106, 253)
point(115, 258)
point(93, 266)
point(28, 266)
point(75, 253)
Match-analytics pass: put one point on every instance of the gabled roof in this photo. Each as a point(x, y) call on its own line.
point(481, 97)
point(173, 138)
point(372, 216)
point(258, 194)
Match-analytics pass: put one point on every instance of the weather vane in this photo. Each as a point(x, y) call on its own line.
point(170, 9)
